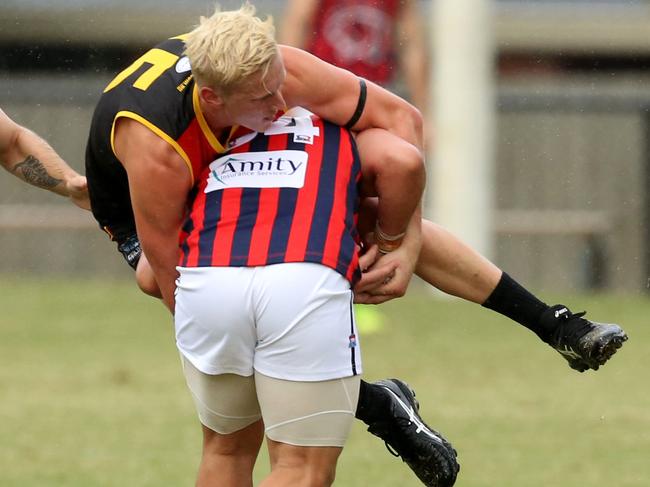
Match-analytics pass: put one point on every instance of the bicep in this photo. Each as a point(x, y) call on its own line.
point(333, 93)
point(159, 179)
point(322, 88)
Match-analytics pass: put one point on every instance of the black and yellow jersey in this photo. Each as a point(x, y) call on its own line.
point(157, 90)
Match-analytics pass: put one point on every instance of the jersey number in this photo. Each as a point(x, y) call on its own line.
point(159, 60)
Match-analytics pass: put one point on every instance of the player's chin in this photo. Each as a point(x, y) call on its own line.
point(259, 125)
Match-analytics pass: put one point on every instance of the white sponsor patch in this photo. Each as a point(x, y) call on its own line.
point(301, 127)
point(183, 65)
point(296, 121)
point(274, 169)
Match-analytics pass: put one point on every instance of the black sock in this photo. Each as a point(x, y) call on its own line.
point(371, 406)
point(510, 299)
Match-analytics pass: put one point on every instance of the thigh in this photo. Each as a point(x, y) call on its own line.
point(305, 323)
point(377, 161)
point(225, 403)
point(215, 327)
point(308, 413)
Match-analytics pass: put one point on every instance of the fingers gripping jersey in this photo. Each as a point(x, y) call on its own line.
point(158, 91)
point(289, 195)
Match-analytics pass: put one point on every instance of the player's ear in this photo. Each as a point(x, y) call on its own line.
point(211, 97)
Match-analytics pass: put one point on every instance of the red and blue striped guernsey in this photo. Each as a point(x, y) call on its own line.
point(287, 195)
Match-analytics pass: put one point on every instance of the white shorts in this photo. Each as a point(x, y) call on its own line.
point(290, 321)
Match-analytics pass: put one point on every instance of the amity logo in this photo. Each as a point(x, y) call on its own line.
point(274, 169)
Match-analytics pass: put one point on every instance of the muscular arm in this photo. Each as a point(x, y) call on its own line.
point(30, 158)
point(389, 276)
point(159, 182)
point(332, 93)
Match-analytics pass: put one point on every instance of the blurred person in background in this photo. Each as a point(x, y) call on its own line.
point(28, 157)
point(380, 40)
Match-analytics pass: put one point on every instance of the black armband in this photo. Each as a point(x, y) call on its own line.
point(361, 104)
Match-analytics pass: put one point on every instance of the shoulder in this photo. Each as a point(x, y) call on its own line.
point(294, 57)
point(312, 83)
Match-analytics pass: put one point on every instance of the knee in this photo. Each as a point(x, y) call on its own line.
point(324, 478)
point(321, 476)
point(229, 458)
point(311, 466)
point(408, 163)
point(243, 444)
point(403, 166)
point(309, 475)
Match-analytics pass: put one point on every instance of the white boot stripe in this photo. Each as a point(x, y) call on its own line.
point(421, 427)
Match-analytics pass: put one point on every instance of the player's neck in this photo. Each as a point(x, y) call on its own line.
point(217, 120)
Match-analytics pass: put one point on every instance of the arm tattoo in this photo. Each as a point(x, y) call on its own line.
point(35, 173)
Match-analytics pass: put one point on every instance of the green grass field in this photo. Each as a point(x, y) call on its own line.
point(91, 394)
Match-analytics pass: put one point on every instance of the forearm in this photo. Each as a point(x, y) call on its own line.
point(162, 255)
point(158, 217)
point(32, 160)
point(413, 240)
point(453, 267)
point(389, 276)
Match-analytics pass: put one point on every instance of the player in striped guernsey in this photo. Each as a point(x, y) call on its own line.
point(283, 209)
point(288, 197)
point(255, 226)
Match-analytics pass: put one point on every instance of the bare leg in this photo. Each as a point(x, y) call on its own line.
point(444, 261)
point(228, 460)
point(453, 267)
point(301, 466)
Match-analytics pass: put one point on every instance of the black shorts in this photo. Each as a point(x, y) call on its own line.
point(128, 243)
point(129, 247)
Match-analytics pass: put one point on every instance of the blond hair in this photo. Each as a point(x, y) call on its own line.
point(227, 47)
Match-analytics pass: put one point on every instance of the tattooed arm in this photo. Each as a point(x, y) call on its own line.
point(30, 158)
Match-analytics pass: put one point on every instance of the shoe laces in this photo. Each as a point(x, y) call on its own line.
point(572, 327)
